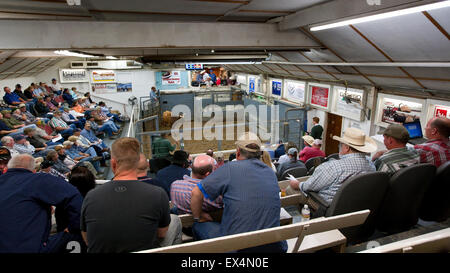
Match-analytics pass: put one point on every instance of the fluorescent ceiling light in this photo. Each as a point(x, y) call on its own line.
point(111, 58)
point(385, 15)
point(73, 54)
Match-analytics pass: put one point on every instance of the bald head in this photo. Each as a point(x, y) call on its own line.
point(202, 166)
point(438, 128)
point(22, 161)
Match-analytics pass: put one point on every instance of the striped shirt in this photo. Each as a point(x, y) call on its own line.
point(436, 152)
point(180, 194)
point(395, 159)
point(57, 122)
point(328, 176)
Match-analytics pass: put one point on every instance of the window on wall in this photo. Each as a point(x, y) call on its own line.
point(395, 109)
point(294, 91)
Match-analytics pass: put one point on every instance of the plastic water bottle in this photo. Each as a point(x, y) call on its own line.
point(305, 213)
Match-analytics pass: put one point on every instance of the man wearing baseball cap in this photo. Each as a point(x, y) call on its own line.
point(328, 176)
point(313, 151)
point(250, 195)
point(397, 156)
point(292, 163)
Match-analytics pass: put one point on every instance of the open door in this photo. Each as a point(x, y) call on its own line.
point(334, 126)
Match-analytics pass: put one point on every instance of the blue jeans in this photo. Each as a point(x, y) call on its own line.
point(105, 128)
point(113, 126)
point(96, 164)
point(59, 243)
point(115, 117)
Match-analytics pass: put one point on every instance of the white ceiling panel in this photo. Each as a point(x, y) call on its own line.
point(349, 45)
point(408, 38)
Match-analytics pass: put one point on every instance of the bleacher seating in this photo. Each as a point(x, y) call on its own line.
point(436, 202)
point(433, 242)
point(315, 227)
point(364, 191)
point(295, 172)
point(400, 209)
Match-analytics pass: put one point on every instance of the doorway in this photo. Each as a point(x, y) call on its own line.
point(334, 126)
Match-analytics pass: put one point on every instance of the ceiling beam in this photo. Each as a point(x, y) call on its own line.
point(97, 35)
point(323, 69)
point(338, 10)
point(436, 24)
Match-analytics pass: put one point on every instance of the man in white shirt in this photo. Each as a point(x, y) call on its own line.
point(56, 87)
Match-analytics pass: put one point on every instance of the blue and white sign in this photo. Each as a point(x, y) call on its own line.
point(251, 85)
point(276, 88)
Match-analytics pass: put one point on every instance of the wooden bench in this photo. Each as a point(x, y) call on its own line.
point(315, 227)
point(433, 242)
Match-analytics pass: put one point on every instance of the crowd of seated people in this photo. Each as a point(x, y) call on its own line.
point(109, 218)
point(42, 118)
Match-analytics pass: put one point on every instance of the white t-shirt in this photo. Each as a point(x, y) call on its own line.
point(55, 87)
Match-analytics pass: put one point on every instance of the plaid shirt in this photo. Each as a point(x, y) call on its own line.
point(57, 122)
point(180, 194)
point(395, 159)
point(328, 176)
point(436, 152)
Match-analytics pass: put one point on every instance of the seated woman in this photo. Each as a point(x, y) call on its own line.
point(266, 159)
point(292, 163)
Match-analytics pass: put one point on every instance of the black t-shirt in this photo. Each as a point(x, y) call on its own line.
point(124, 216)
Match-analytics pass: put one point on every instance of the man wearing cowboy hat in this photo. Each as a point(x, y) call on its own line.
point(328, 177)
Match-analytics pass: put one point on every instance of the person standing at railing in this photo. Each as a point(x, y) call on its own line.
point(154, 94)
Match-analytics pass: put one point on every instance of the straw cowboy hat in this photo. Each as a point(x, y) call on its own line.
point(356, 138)
point(308, 139)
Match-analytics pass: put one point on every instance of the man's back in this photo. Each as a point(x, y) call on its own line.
point(328, 176)
point(316, 131)
point(169, 174)
point(25, 200)
point(250, 195)
point(395, 159)
point(162, 147)
point(310, 152)
point(436, 152)
point(124, 216)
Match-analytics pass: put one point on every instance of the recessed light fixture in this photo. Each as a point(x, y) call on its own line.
point(370, 18)
point(212, 51)
point(73, 54)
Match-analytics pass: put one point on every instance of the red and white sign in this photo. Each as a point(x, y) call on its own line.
point(442, 112)
point(172, 77)
point(319, 96)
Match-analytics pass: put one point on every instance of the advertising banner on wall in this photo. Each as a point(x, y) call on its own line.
point(103, 76)
point(295, 91)
point(73, 75)
point(103, 88)
point(319, 96)
point(251, 84)
point(276, 88)
point(349, 102)
point(442, 112)
point(124, 81)
point(171, 77)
